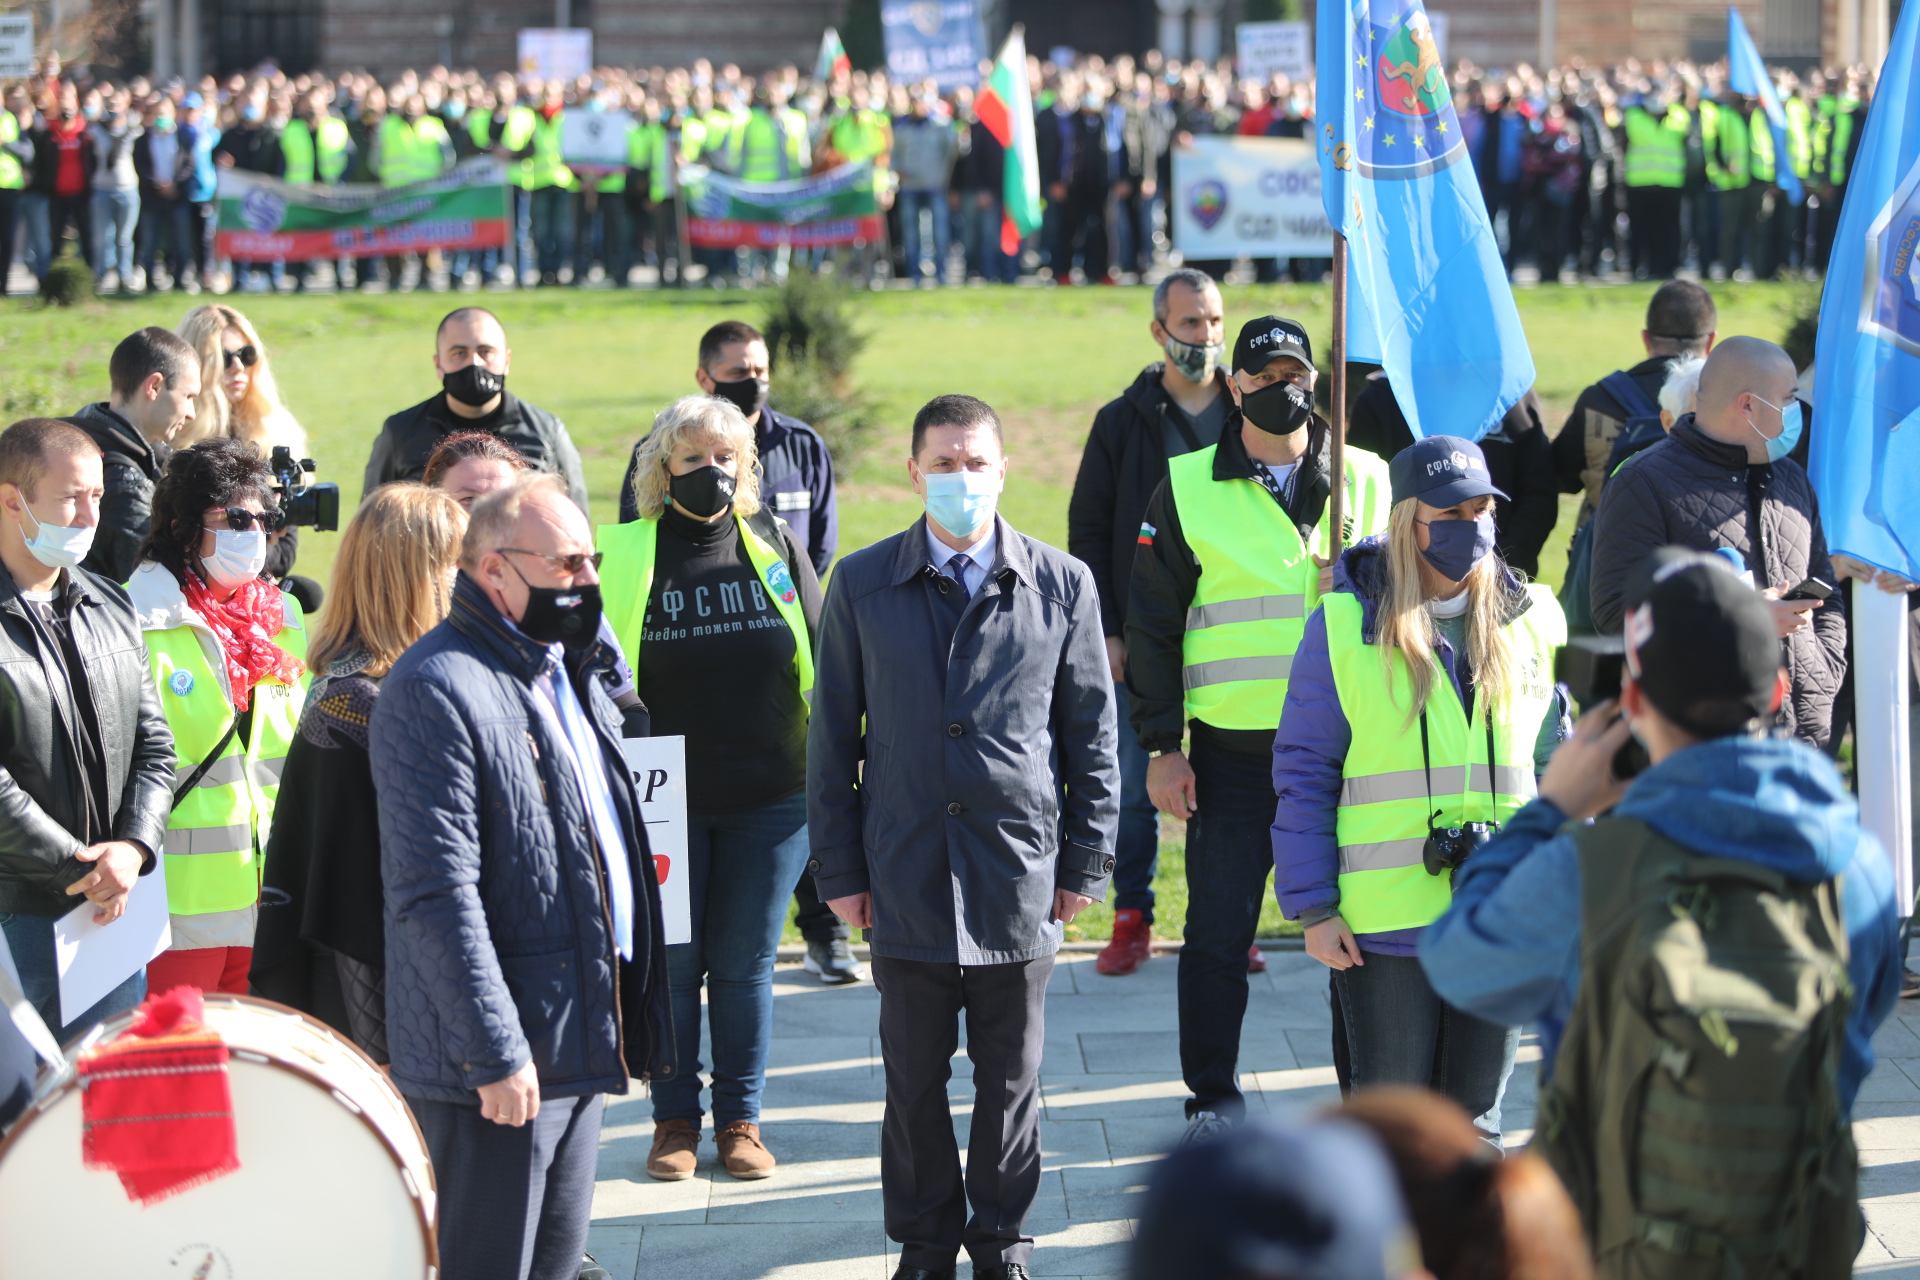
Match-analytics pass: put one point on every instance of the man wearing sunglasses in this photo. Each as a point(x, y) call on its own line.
point(508, 821)
point(471, 357)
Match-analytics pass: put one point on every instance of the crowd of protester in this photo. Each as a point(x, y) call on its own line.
point(1638, 170)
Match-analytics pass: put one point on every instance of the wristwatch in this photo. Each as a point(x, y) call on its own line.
point(1164, 751)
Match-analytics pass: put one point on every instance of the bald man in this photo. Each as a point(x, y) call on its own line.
point(1722, 480)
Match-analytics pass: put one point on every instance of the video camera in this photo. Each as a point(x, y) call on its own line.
point(1594, 669)
point(314, 505)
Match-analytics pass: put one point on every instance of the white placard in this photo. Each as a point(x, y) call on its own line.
point(16, 44)
point(595, 141)
point(556, 53)
point(659, 767)
point(1266, 47)
point(92, 959)
point(1257, 196)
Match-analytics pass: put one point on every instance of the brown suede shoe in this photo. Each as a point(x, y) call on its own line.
point(742, 1151)
point(675, 1154)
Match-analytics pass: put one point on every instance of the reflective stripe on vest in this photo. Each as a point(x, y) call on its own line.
point(1257, 585)
point(217, 832)
point(330, 149)
point(626, 586)
point(1385, 804)
point(13, 175)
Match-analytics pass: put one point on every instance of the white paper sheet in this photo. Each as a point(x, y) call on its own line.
point(93, 959)
point(659, 767)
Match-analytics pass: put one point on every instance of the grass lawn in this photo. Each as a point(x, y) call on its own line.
point(606, 362)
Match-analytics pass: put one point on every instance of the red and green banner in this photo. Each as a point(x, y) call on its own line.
point(1005, 106)
point(831, 208)
point(263, 219)
point(833, 61)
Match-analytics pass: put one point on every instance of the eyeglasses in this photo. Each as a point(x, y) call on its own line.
point(239, 520)
point(567, 564)
point(245, 355)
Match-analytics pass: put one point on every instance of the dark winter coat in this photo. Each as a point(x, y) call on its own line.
point(1693, 491)
point(132, 465)
point(408, 438)
point(500, 946)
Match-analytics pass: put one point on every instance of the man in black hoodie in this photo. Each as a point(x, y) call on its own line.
point(1174, 407)
point(472, 358)
point(155, 378)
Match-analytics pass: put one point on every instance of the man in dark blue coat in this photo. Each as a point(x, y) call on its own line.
point(964, 664)
point(526, 971)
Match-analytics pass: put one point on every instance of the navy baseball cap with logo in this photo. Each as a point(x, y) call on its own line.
point(1264, 340)
point(1441, 471)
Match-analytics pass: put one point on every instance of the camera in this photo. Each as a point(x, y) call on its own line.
point(1594, 668)
point(316, 506)
point(1448, 848)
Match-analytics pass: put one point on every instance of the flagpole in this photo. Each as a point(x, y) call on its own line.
point(1337, 492)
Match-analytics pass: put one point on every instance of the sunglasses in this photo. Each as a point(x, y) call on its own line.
point(245, 355)
point(239, 520)
point(568, 564)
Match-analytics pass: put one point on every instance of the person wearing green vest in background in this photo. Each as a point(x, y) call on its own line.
point(228, 652)
point(552, 185)
point(1656, 171)
point(507, 131)
point(716, 608)
point(1798, 106)
point(601, 230)
point(15, 154)
point(680, 139)
point(318, 148)
point(1836, 138)
point(643, 140)
point(410, 146)
point(1769, 216)
point(1730, 166)
point(1422, 707)
point(1234, 554)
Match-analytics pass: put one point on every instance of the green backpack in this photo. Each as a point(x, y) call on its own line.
point(1694, 1110)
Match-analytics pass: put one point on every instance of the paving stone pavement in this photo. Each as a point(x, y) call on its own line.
point(1111, 1095)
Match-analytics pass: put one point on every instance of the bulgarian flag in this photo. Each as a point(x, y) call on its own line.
point(833, 60)
point(1005, 106)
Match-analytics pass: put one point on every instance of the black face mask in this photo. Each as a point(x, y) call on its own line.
point(749, 395)
point(561, 615)
point(705, 492)
point(474, 385)
point(1280, 409)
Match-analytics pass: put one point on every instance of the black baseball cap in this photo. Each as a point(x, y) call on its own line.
point(1700, 643)
point(1262, 340)
point(1441, 471)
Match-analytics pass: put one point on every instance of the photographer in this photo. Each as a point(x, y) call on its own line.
point(1419, 708)
point(1703, 675)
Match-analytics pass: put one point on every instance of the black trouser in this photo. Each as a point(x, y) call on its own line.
point(920, 1180)
point(1653, 216)
point(1083, 233)
point(74, 211)
point(815, 919)
point(9, 206)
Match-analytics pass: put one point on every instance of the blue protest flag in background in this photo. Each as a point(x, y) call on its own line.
point(1427, 296)
point(1865, 450)
point(1747, 74)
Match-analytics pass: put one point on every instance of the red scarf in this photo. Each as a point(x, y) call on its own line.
point(245, 627)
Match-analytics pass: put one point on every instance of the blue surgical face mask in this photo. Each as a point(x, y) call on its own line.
point(1781, 445)
point(962, 501)
point(250, 113)
point(1456, 547)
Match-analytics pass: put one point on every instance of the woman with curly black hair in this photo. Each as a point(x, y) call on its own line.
point(228, 651)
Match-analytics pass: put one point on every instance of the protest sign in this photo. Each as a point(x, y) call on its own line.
point(1264, 48)
point(939, 40)
point(595, 142)
point(835, 207)
point(1253, 196)
point(659, 768)
point(556, 53)
point(263, 219)
point(16, 44)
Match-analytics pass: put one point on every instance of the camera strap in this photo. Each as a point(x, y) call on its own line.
point(1426, 766)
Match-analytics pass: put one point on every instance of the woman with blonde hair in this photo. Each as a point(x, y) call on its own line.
point(320, 946)
point(1419, 709)
point(238, 396)
point(716, 607)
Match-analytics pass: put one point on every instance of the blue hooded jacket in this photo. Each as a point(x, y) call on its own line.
point(1508, 949)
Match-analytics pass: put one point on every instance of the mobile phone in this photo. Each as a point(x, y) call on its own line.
point(1810, 589)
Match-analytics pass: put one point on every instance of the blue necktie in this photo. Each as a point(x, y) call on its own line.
point(957, 570)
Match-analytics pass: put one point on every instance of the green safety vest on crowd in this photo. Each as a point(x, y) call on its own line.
point(1657, 149)
point(626, 584)
point(217, 835)
point(769, 147)
point(310, 155)
point(409, 152)
point(1730, 159)
point(1385, 805)
point(1760, 134)
point(514, 133)
point(545, 167)
point(13, 175)
point(1800, 136)
point(858, 134)
point(1832, 138)
point(662, 169)
point(1257, 584)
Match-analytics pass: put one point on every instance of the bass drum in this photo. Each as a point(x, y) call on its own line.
point(333, 1180)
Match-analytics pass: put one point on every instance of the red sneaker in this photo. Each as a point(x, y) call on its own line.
point(1256, 960)
point(1132, 943)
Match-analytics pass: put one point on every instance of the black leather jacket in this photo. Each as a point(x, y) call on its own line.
point(41, 803)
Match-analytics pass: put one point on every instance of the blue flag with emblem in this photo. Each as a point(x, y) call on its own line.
point(1865, 447)
point(1427, 296)
point(1747, 74)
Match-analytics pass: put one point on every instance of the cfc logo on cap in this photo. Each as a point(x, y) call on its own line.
point(1271, 338)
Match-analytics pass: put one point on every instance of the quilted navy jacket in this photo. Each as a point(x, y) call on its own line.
point(500, 944)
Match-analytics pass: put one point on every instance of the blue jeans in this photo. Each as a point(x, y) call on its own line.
point(553, 227)
point(36, 246)
point(912, 202)
point(984, 257)
point(1400, 1032)
point(1229, 857)
point(1136, 851)
point(741, 869)
point(30, 939)
point(115, 215)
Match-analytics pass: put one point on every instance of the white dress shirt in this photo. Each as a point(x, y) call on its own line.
point(979, 557)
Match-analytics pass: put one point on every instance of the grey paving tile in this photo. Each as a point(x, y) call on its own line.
point(766, 1251)
point(1896, 1039)
point(1313, 1048)
point(617, 1248)
point(1076, 1248)
point(1112, 1097)
point(1882, 1126)
point(625, 1195)
point(800, 1192)
point(1293, 1092)
point(1105, 1194)
point(856, 1054)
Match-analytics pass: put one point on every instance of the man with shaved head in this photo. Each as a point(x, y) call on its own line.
point(1723, 481)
